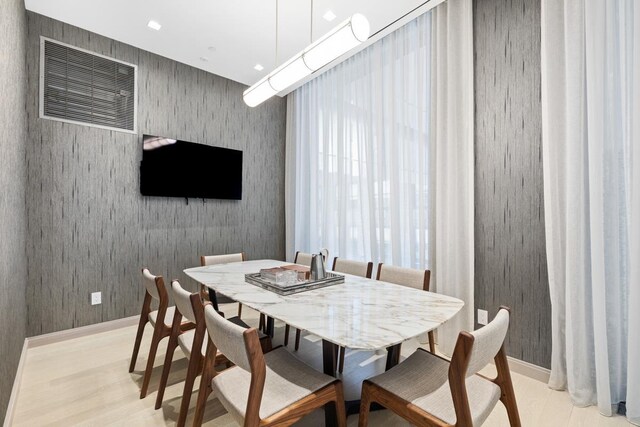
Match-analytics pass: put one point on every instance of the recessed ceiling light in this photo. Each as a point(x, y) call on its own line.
point(204, 59)
point(258, 67)
point(154, 25)
point(329, 16)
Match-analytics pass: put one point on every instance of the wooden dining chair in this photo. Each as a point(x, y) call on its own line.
point(302, 258)
point(221, 259)
point(272, 389)
point(410, 277)
point(191, 307)
point(355, 268)
point(160, 320)
point(427, 390)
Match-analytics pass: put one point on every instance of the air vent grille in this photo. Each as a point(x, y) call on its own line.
point(82, 87)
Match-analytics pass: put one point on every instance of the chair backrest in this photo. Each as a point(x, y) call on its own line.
point(302, 258)
point(221, 259)
point(485, 343)
point(182, 299)
point(228, 338)
point(410, 277)
point(356, 268)
point(152, 284)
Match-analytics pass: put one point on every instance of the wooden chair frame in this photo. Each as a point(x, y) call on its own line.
point(342, 350)
point(160, 330)
point(196, 359)
point(425, 287)
point(457, 383)
point(330, 393)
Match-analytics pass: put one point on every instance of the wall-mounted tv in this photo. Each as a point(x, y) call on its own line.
point(175, 168)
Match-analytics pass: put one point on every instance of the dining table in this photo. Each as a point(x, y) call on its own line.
point(359, 314)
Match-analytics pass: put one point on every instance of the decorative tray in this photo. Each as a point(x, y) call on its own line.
point(300, 286)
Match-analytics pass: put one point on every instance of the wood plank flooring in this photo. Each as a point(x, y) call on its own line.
point(84, 382)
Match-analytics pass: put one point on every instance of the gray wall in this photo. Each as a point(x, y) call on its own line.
point(13, 136)
point(90, 229)
point(510, 253)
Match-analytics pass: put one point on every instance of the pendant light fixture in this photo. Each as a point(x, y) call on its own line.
point(336, 42)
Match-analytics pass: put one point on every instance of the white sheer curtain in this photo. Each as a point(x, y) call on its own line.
point(591, 148)
point(358, 154)
point(380, 156)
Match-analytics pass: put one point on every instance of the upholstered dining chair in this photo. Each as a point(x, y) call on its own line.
point(191, 307)
point(263, 389)
point(221, 259)
point(302, 258)
point(355, 268)
point(160, 320)
point(427, 390)
point(410, 277)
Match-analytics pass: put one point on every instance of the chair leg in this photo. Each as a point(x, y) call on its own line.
point(203, 394)
point(341, 411)
point(297, 346)
point(341, 356)
point(239, 310)
point(195, 368)
point(286, 335)
point(136, 346)
point(166, 369)
point(365, 404)
point(153, 348)
point(432, 343)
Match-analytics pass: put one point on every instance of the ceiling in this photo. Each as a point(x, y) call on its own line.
point(227, 38)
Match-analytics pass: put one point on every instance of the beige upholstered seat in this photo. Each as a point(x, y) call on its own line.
point(423, 380)
point(168, 317)
point(185, 341)
point(259, 389)
point(287, 381)
point(302, 258)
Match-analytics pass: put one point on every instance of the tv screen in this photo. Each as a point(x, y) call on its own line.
point(175, 168)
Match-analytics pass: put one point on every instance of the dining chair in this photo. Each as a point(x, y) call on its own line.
point(221, 259)
point(427, 390)
point(302, 258)
point(410, 277)
point(160, 320)
point(191, 307)
point(355, 268)
point(262, 389)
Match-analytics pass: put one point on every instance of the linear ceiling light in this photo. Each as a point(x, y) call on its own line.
point(336, 42)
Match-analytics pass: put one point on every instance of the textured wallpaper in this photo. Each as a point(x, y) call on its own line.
point(510, 258)
point(13, 137)
point(90, 229)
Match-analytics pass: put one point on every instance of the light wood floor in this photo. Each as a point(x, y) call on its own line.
point(84, 381)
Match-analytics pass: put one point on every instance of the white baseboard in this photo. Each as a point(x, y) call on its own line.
point(8, 417)
point(529, 369)
point(56, 337)
point(82, 331)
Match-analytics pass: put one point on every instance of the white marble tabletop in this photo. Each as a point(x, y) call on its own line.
point(361, 313)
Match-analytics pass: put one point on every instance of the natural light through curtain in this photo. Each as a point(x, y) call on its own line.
point(361, 154)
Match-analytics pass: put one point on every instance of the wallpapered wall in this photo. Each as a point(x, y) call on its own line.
point(510, 257)
point(13, 136)
point(90, 229)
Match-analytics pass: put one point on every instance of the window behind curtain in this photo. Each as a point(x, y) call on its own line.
point(361, 133)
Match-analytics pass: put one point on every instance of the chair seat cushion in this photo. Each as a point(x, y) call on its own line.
point(422, 379)
point(185, 341)
point(287, 381)
point(168, 317)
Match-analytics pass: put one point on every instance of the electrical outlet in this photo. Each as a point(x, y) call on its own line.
point(96, 298)
point(483, 317)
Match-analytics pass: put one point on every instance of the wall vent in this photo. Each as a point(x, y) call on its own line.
point(82, 87)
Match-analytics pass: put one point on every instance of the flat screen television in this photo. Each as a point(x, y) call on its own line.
point(175, 168)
